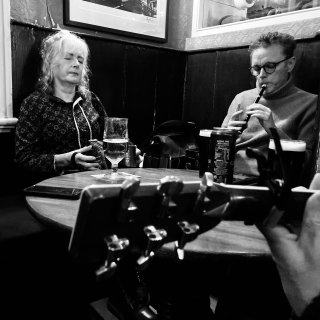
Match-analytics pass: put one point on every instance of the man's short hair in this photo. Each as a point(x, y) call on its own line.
point(283, 39)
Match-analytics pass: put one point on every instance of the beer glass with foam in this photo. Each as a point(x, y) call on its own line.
point(294, 152)
point(115, 143)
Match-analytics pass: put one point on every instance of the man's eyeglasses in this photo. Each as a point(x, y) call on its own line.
point(269, 67)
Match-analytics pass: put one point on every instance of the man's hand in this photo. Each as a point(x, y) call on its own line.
point(297, 256)
point(234, 121)
point(263, 114)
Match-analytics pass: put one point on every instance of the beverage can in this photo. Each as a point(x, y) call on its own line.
point(222, 153)
point(217, 152)
point(97, 151)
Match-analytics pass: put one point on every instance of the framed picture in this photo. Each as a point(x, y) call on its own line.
point(237, 22)
point(138, 18)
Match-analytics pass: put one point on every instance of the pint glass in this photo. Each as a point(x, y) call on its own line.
point(294, 152)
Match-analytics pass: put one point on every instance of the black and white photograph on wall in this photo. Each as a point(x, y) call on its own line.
point(218, 12)
point(144, 7)
point(139, 18)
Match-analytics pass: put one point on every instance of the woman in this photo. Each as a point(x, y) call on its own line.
point(57, 120)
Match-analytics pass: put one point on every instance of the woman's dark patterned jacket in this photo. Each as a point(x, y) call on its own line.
point(47, 126)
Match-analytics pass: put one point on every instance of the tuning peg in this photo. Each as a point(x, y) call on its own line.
point(205, 184)
point(128, 209)
point(168, 187)
point(155, 241)
point(189, 231)
point(116, 249)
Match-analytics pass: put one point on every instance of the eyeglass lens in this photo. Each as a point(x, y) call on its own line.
point(268, 68)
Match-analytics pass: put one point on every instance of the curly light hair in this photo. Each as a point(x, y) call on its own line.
point(50, 48)
point(283, 39)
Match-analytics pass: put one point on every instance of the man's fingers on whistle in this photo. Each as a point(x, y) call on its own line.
point(238, 123)
point(236, 113)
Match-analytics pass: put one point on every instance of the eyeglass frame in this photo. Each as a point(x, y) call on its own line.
point(275, 64)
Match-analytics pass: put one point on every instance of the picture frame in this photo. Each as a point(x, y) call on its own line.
point(143, 19)
point(301, 24)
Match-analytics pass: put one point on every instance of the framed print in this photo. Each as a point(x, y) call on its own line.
point(237, 22)
point(138, 18)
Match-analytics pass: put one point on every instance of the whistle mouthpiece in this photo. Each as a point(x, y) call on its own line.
point(263, 87)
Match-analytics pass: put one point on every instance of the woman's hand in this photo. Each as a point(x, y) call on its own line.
point(263, 114)
point(297, 256)
point(82, 161)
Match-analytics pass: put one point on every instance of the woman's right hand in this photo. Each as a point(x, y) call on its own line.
point(82, 161)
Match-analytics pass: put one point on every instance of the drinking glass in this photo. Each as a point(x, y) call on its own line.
point(293, 156)
point(115, 143)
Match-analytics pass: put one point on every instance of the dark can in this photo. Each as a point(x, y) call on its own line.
point(218, 153)
point(130, 157)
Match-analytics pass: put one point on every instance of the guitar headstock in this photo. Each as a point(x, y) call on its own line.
point(137, 219)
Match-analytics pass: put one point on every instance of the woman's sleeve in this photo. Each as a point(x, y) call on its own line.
point(28, 153)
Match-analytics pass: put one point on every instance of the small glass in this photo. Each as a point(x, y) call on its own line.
point(115, 143)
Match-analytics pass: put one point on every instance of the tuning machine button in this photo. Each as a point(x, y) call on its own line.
point(202, 198)
point(116, 249)
point(128, 209)
point(155, 238)
point(169, 186)
point(189, 231)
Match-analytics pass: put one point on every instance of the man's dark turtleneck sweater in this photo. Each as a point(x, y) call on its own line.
point(293, 111)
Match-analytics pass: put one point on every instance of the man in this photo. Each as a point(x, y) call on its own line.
point(282, 106)
point(253, 289)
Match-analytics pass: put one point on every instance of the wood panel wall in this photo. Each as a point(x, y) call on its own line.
point(214, 77)
point(142, 83)
point(150, 85)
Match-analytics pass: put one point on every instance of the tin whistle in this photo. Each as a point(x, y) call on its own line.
point(263, 87)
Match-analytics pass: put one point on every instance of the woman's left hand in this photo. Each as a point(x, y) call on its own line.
point(76, 159)
point(85, 162)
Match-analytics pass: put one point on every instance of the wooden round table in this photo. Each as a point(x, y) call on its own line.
point(228, 237)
